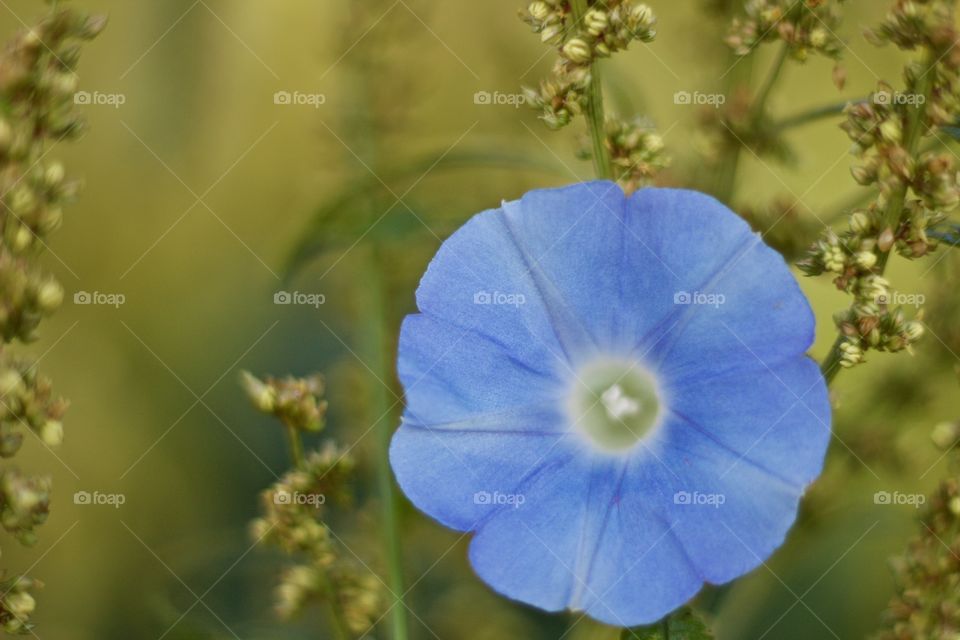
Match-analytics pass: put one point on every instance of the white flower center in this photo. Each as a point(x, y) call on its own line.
point(614, 403)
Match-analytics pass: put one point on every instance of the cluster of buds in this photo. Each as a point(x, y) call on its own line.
point(296, 402)
point(928, 574)
point(916, 189)
point(636, 151)
point(804, 25)
point(608, 26)
point(294, 509)
point(38, 82)
point(877, 128)
point(24, 503)
point(27, 400)
point(872, 322)
point(17, 604)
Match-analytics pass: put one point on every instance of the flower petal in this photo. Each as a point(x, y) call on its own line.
point(446, 373)
point(747, 445)
point(734, 298)
point(454, 474)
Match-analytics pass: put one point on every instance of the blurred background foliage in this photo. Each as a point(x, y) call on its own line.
point(203, 198)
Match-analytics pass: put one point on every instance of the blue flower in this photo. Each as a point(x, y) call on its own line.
point(612, 394)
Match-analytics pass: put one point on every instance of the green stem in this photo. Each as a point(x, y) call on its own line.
point(760, 103)
point(296, 446)
point(340, 628)
point(596, 121)
point(811, 115)
point(382, 408)
point(894, 211)
point(728, 179)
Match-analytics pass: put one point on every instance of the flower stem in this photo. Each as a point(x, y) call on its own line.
point(760, 103)
point(296, 446)
point(377, 351)
point(596, 121)
point(728, 178)
point(811, 115)
point(894, 211)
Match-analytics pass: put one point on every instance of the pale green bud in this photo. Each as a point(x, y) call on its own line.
point(50, 296)
point(913, 330)
point(596, 21)
point(818, 38)
point(20, 603)
point(262, 395)
point(51, 433)
point(539, 10)
point(891, 131)
point(55, 174)
point(866, 259)
point(577, 51)
point(860, 222)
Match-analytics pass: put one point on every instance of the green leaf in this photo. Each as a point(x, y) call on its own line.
point(354, 215)
point(683, 624)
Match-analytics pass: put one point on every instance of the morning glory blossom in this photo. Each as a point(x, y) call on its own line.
point(612, 394)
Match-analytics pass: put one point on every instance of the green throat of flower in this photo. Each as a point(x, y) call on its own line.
point(614, 403)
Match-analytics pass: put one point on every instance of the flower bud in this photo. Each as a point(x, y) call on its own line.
point(261, 395)
point(578, 51)
point(866, 259)
point(891, 131)
point(51, 433)
point(538, 11)
point(50, 296)
point(54, 174)
point(595, 21)
point(885, 240)
point(913, 330)
point(860, 222)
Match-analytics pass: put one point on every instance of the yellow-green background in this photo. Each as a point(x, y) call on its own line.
point(200, 121)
